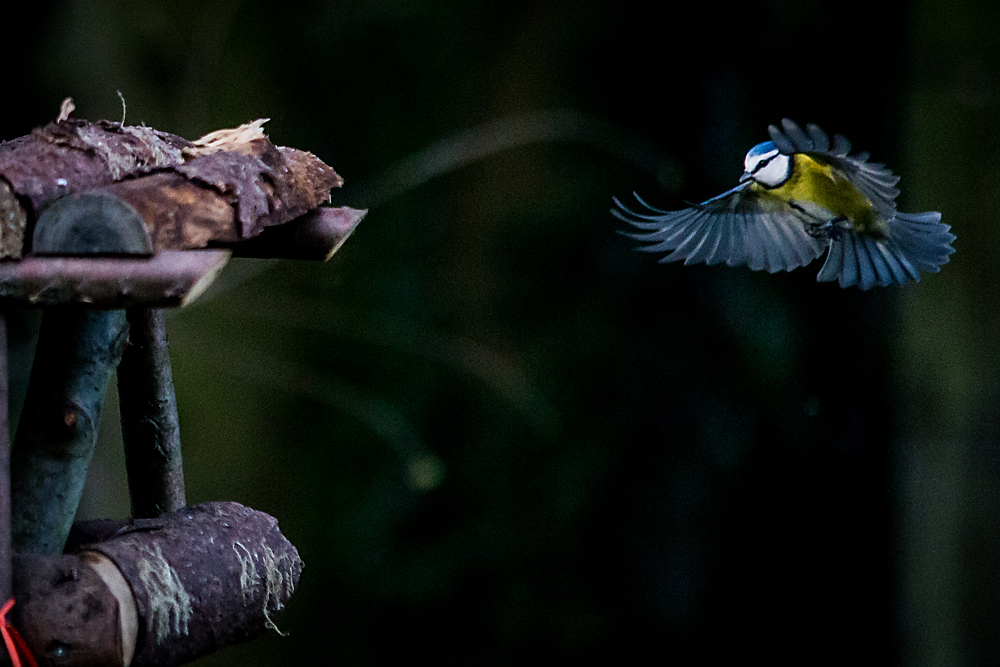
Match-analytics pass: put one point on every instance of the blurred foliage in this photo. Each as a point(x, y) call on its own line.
point(494, 431)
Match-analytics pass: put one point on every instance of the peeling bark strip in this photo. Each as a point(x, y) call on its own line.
point(227, 196)
point(77, 155)
point(203, 577)
point(13, 220)
point(227, 186)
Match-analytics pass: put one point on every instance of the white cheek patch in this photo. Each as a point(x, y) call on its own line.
point(774, 172)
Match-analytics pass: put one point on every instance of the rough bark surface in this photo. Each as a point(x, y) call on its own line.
point(150, 429)
point(164, 590)
point(225, 187)
point(77, 155)
point(203, 577)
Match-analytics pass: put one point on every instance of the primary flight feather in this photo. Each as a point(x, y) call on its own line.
point(801, 195)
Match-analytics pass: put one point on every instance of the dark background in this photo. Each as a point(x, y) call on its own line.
point(494, 431)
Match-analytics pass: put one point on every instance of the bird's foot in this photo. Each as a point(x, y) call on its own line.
point(827, 230)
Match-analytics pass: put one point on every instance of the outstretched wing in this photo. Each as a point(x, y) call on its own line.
point(871, 179)
point(742, 226)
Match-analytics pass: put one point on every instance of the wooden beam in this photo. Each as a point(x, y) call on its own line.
point(170, 278)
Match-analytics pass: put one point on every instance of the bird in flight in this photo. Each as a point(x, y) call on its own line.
point(802, 195)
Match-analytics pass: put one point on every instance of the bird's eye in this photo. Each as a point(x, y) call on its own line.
point(760, 165)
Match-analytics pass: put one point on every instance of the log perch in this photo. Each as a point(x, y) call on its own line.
point(174, 588)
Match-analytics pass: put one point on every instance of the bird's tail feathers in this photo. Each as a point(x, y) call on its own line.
point(915, 243)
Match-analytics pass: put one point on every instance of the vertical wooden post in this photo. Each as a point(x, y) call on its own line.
point(77, 351)
point(6, 551)
point(150, 429)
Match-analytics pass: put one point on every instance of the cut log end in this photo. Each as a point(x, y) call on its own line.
point(317, 235)
point(13, 221)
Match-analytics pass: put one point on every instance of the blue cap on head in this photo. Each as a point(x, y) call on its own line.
point(761, 149)
point(758, 156)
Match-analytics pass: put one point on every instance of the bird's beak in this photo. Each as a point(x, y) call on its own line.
point(746, 175)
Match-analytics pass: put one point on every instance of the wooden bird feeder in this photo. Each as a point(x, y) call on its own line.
point(103, 225)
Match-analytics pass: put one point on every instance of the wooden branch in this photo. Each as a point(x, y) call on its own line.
point(314, 236)
point(150, 429)
point(167, 279)
point(77, 351)
point(176, 588)
point(90, 223)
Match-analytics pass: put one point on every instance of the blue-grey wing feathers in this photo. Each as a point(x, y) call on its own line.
point(732, 228)
point(873, 180)
point(915, 243)
point(820, 142)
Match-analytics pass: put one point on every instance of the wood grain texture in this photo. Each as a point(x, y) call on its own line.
point(168, 279)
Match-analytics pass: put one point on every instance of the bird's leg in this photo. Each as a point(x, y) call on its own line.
point(827, 229)
point(818, 222)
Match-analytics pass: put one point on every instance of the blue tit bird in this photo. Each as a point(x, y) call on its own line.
point(801, 195)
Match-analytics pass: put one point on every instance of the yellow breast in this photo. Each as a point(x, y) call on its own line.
point(815, 183)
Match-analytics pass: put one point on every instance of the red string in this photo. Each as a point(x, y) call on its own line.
point(16, 646)
point(8, 640)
